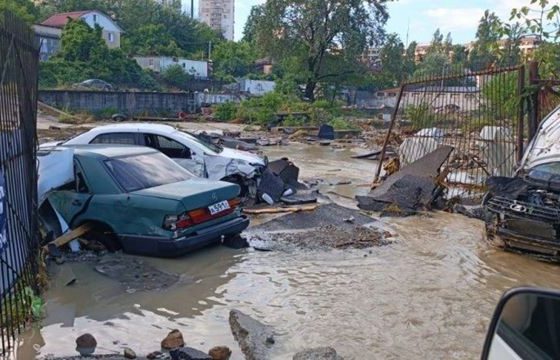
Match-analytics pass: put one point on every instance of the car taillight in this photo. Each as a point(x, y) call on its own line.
point(174, 222)
point(198, 216)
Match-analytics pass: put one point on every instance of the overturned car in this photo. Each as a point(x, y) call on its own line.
point(526, 207)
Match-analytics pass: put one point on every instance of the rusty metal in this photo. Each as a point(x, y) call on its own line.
point(521, 112)
point(480, 114)
point(388, 137)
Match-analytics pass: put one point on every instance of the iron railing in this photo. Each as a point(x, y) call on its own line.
point(479, 114)
point(19, 55)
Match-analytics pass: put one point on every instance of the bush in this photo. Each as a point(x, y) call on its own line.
point(421, 116)
point(342, 124)
point(176, 76)
point(226, 111)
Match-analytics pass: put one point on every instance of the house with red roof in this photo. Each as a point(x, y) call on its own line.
point(50, 30)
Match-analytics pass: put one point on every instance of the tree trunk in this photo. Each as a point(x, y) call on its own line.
point(310, 90)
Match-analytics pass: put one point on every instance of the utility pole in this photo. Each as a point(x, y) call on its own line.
point(192, 9)
point(209, 50)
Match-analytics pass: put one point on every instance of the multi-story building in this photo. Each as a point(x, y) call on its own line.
point(219, 15)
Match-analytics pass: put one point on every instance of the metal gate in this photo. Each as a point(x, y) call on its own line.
point(19, 54)
point(480, 114)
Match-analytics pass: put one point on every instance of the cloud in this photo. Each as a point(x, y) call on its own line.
point(456, 19)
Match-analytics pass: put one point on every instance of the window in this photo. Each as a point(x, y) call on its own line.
point(116, 138)
point(81, 185)
point(145, 171)
point(94, 18)
point(111, 37)
point(172, 148)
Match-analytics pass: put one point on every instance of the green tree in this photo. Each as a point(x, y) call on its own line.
point(251, 26)
point(500, 96)
point(151, 39)
point(542, 17)
point(410, 59)
point(434, 65)
point(549, 61)
point(24, 9)
point(448, 44)
point(392, 60)
point(436, 45)
point(235, 59)
point(485, 51)
point(176, 76)
point(319, 29)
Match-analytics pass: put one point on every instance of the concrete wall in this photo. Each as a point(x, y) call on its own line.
point(256, 87)
point(212, 99)
point(131, 103)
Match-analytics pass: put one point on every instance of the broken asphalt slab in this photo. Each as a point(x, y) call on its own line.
point(410, 189)
point(328, 227)
point(255, 338)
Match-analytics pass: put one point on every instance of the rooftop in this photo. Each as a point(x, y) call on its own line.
point(61, 19)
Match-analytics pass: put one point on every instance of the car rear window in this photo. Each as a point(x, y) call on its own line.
point(145, 171)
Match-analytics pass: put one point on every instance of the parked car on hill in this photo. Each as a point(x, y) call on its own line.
point(94, 84)
point(199, 157)
point(143, 202)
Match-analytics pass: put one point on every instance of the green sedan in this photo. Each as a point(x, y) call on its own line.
point(143, 202)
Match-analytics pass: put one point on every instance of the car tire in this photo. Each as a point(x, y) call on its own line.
point(106, 238)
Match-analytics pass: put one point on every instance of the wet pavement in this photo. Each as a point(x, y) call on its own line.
point(429, 294)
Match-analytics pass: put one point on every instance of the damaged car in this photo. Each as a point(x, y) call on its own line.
point(137, 199)
point(204, 159)
point(526, 207)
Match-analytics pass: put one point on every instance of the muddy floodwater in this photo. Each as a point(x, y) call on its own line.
point(429, 294)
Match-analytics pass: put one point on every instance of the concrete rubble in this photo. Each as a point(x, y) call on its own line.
point(255, 338)
point(324, 353)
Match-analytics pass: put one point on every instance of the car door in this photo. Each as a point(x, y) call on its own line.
point(177, 151)
point(73, 199)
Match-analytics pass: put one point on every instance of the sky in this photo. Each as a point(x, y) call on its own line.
point(421, 17)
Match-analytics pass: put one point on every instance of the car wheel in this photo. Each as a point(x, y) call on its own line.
point(106, 238)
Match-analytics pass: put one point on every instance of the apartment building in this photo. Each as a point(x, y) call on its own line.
point(219, 15)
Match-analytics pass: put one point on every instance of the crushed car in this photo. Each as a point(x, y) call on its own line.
point(136, 199)
point(202, 158)
point(526, 207)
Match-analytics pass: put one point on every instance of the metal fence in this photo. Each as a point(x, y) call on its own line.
point(19, 54)
point(479, 114)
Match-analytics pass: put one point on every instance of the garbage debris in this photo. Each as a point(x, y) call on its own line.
point(326, 132)
point(412, 188)
point(86, 344)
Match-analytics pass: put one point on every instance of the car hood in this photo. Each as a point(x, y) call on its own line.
point(195, 193)
point(242, 155)
point(545, 147)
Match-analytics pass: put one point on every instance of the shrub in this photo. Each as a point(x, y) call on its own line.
point(342, 124)
point(226, 111)
point(421, 116)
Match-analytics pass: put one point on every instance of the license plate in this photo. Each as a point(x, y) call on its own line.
point(218, 208)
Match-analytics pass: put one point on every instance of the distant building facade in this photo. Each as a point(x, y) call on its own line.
point(219, 15)
point(198, 69)
point(49, 40)
point(111, 31)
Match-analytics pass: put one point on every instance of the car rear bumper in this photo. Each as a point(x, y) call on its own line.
point(170, 247)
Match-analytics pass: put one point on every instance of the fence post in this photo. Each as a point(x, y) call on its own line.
point(388, 137)
point(534, 113)
point(521, 113)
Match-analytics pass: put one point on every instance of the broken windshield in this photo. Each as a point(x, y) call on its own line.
point(145, 171)
point(209, 148)
point(546, 174)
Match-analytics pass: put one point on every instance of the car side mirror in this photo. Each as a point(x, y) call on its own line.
point(525, 325)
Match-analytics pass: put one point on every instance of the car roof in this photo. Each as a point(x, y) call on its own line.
point(164, 129)
point(108, 151)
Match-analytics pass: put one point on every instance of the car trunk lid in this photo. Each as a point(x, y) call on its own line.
point(195, 193)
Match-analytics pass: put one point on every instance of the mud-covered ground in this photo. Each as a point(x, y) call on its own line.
point(429, 292)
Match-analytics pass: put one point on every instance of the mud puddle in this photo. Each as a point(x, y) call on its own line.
point(429, 294)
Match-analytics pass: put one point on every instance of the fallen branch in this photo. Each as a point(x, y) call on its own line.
point(280, 210)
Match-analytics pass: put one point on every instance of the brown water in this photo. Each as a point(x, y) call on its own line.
point(428, 295)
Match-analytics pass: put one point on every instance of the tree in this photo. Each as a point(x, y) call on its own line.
point(84, 54)
point(233, 59)
point(500, 94)
point(485, 51)
point(410, 59)
point(392, 60)
point(151, 39)
point(24, 9)
point(176, 76)
point(549, 61)
point(436, 45)
point(251, 26)
point(541, 17)
point(315, 30)
point(459, 54)
point(434, 65)
point(448, 44)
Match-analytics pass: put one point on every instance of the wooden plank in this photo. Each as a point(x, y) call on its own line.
point(71, 235)
point(280, 210)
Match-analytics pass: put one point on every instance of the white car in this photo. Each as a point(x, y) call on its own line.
point(199, 157)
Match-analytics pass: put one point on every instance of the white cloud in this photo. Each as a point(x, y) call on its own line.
point(454, 20)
